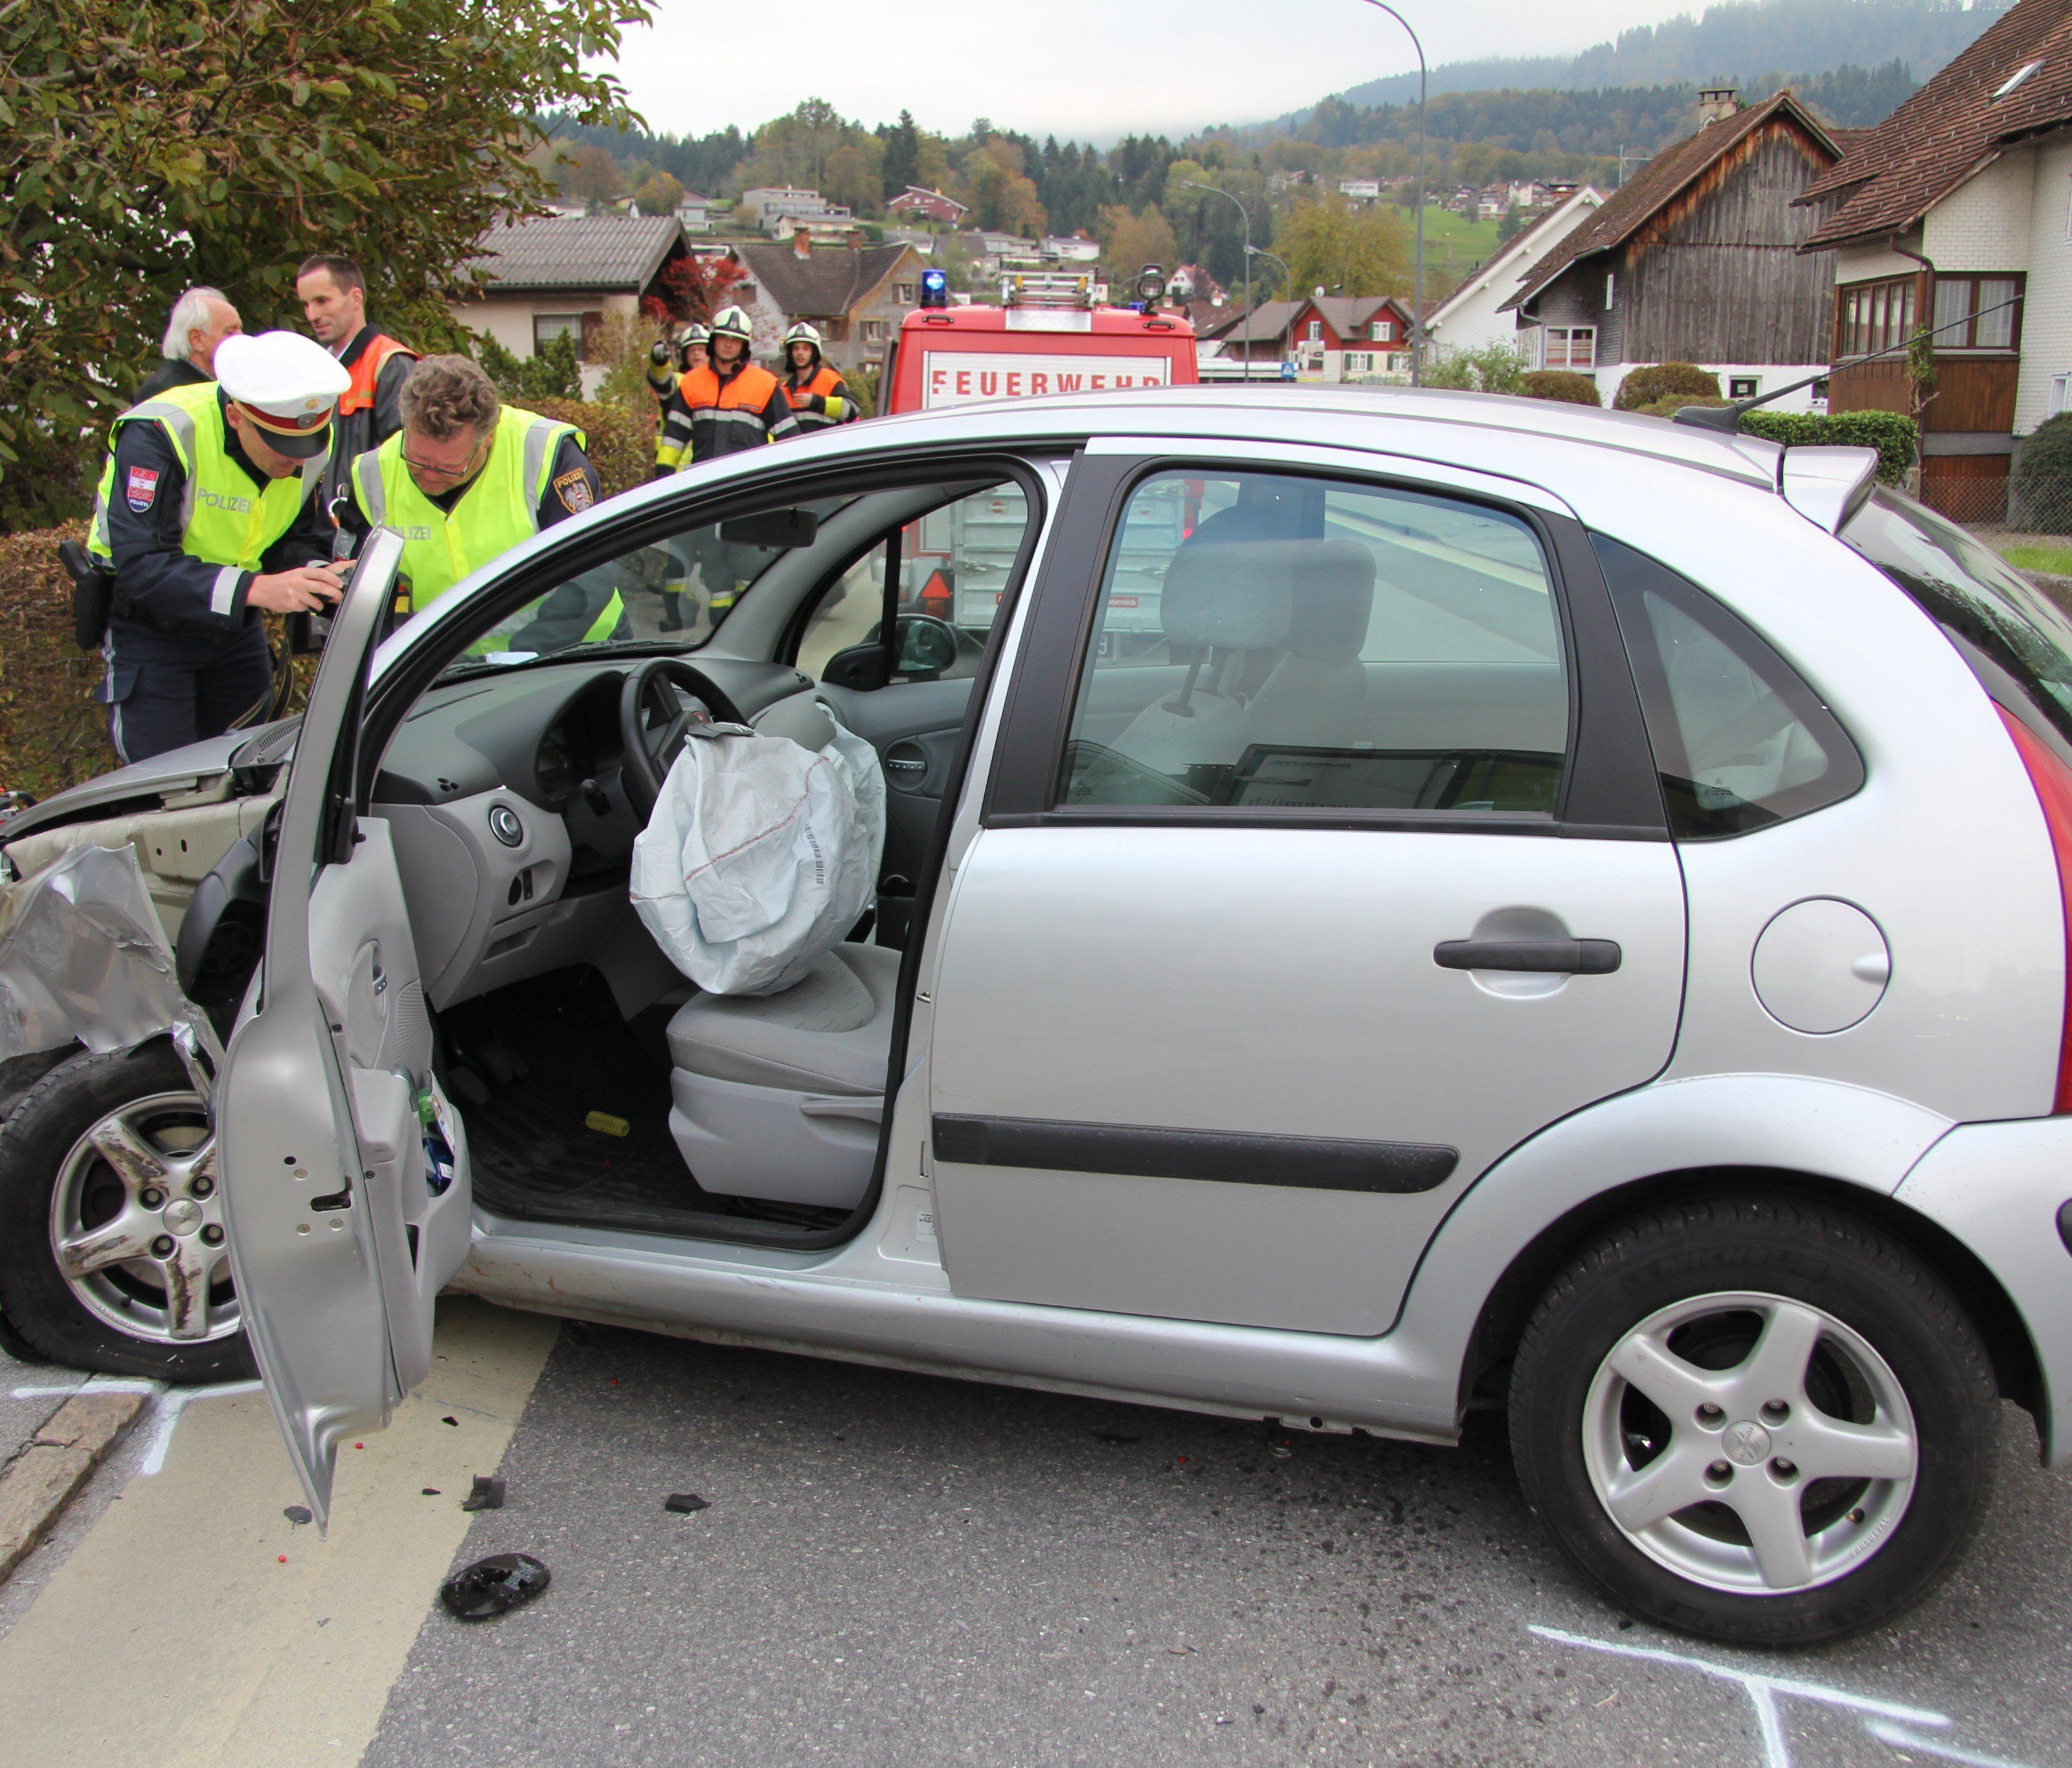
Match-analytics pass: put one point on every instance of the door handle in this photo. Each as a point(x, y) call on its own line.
point(1557, 957)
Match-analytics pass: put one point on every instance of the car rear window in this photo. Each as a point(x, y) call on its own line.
point(1975, 595)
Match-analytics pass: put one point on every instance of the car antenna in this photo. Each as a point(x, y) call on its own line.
point(1726, 419)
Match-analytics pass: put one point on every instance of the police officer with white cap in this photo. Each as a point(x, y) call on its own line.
point(208, 510)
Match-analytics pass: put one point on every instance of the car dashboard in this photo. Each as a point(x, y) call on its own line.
point(511, 828)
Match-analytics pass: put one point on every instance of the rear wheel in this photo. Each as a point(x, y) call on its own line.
point(1758, 1421)
point(112, 1242)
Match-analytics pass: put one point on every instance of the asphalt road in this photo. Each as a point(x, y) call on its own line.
point(905, 1571)
point(895, 1569)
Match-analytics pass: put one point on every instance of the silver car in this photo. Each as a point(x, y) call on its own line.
point(1565, 913)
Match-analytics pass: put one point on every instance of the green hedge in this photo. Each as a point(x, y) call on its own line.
point(621, 444)
point(1562, 385)
point(1658, 381)
point(1893, 434)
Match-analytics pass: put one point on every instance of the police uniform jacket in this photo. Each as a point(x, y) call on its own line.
point(146, 520)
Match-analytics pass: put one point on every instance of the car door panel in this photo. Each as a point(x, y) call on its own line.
point(1278, 983)
point(344, 1170)
point(1141, 995)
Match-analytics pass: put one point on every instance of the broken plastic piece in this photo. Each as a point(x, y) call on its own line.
point(490, 1586)
point(298, 1514)
point(428, 1491)
point(488, 1493)
point(605, 1123)
point(450, 1419)
point(684, 1503)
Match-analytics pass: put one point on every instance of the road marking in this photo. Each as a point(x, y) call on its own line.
point(1763, 1690)
point(229, 1654)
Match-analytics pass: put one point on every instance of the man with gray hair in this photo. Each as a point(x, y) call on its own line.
point(201, 319)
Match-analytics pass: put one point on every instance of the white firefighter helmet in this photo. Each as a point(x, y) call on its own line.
point(732, 322)
point(802, 333)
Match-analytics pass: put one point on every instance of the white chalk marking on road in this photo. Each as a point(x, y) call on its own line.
point(1762, 1692)
point(165, 1415)
point(1900, 1738)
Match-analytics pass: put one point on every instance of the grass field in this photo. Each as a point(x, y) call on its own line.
point(1453, 246)
point(2055, 559)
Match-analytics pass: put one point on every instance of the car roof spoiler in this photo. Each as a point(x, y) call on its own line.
point(1827, 485)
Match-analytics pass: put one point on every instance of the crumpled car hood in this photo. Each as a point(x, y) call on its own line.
point(197, 767)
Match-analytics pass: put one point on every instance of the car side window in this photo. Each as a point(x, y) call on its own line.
point(955, 563)
point(1269, 640)
point(1740, 741)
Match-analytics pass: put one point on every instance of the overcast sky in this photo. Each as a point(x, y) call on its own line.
point(1085, 68)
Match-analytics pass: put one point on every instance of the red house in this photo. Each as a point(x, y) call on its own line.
point(1343, 337)
point(915, 203)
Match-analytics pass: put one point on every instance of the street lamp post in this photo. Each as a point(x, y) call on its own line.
point(1417, 317)
point(1287, 275)
point(1214, 189)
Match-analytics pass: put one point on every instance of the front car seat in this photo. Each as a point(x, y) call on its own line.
point(780, 1096)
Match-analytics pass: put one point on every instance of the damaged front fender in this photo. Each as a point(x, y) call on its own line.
point(84, 958)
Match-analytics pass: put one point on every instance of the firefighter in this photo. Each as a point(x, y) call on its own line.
point(719, 409)
point(333, 291)
point(819, 398)
point(208, 510)
point(465, 480)
point(669, 362)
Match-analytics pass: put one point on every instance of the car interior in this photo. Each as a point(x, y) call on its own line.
point(601, 1086)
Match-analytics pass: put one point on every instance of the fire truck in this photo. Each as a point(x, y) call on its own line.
point(1048, 336)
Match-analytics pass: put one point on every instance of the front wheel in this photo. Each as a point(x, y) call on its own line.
point(1756, 1420)
point(113, 1256)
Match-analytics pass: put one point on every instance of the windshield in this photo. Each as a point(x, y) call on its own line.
point(674, 592)
point(1974, 593)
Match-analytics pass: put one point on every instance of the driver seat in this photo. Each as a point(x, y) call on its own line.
point(780, 1096)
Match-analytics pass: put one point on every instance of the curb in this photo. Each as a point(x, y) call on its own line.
point(37, 1485)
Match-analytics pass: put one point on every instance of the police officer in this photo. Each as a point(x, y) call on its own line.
point(819, 398)
point(717, 410)
point(465, 480)
point(333, 291)
point(208, 511)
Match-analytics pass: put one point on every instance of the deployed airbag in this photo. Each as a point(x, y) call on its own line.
point(760, 855)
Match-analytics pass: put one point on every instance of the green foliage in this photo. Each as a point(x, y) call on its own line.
point(863, 386)
point(2043, 477)
point(1348, 251)
point(1643, 386)
point(622, 442)
point(1671, 403)
point(147, 148)
point(1492, 367)
point(1893, 434)
point(554, 372)
point(1562, 385)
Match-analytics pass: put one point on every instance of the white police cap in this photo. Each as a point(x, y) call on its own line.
point(287, 384)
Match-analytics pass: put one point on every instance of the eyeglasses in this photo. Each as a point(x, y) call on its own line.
point(422, 470)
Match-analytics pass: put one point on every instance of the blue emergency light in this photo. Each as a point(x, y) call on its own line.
point(935, 287)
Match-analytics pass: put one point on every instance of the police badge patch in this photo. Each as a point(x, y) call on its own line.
point(142, 490)
point(573, 489)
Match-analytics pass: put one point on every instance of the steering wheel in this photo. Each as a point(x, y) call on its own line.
point(650, 747)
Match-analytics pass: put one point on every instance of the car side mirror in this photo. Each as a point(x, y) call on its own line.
point(926, 647)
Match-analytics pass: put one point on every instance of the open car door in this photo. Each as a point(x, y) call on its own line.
point(344, 1168)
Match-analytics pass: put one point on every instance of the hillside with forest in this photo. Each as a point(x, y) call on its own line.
point(1745, 40)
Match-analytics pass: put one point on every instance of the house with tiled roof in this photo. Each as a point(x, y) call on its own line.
point(1956, 213)
point(1696, 258)
point(543, 276)
point(1474, 314)
point(1342, 337)
point(855, 295)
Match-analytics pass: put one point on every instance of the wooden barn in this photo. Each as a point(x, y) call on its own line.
point(1698, 257)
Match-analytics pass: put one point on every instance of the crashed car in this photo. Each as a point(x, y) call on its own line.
point(1568, 913)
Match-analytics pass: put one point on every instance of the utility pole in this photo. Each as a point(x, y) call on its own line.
point(1215, 190)
point(1417, 316)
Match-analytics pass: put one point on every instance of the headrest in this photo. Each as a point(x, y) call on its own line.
point(1333, 601)
point(1228, 595)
